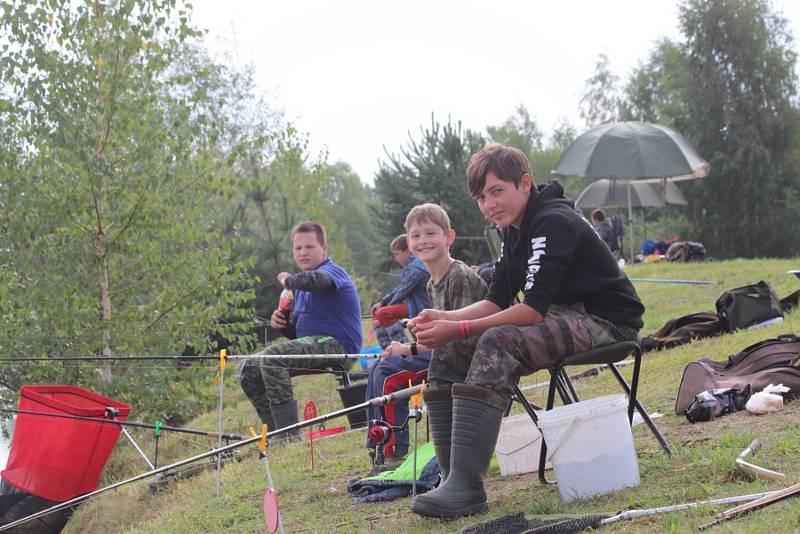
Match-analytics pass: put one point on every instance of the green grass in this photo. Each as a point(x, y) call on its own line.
point(317, 501)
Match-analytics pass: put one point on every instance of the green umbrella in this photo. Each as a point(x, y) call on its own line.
point(606, 193)
point(632, 151)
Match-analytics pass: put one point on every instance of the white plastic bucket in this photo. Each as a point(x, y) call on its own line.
point(591, 447)
point(518, 446)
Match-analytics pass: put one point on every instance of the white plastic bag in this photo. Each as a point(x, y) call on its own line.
point(767, 400)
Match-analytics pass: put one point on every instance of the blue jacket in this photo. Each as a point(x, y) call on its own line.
point(334, 312)
point(412, 288)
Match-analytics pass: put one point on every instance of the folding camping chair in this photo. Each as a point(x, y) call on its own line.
point(609, 355)
point(559, 380)
point(345, 376)
point(396, 382)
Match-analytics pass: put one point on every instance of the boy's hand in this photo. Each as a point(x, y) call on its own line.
point(278, 320)
point(425, 316)
point(281, 278)
point(436, 333)
point(396, 349)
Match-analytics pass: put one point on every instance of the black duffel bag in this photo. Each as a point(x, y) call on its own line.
point(748, 305)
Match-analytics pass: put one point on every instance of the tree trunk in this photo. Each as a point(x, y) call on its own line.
point(103, 130)
point(105, 296)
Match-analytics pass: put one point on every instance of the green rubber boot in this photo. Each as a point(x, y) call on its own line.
point(439, 402)
point(266, 417)
point(477, 412)
point(285, 414)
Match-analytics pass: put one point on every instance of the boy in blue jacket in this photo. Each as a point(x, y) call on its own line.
point(407, 299)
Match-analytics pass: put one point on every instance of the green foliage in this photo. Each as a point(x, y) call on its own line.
point(741, 68)
point(349, 204)
point(563, 134)
point(520, 131)
point(117, 156)
point(433, 169)
point(730, 88)
point(600, 101)
point(656, 90)
point(351, 207)
point(284, 186)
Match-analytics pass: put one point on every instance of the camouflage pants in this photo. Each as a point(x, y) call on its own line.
point(497, 358)
point(268, 381)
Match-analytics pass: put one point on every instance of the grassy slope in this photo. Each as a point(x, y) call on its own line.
point(701, 467)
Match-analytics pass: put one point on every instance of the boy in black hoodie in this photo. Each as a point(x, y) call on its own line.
point(574, 298)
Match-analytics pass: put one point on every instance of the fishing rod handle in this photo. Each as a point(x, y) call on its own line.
point(397, 395)
point(633, 514)
point(755, 445)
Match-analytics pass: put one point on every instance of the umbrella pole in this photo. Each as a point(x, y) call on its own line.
point(630, 220)
point(665, 213)
point(644, 223)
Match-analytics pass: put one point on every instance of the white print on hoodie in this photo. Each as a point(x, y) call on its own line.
point(538, 246)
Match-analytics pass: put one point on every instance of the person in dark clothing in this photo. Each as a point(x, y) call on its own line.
point(605, 229)
point(574, 298)
point(484, 270)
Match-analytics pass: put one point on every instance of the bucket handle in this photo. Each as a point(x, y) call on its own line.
point(563, 437)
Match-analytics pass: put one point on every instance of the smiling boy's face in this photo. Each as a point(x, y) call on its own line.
point(428, 241)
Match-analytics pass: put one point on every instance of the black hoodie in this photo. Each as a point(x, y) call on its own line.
point(556, 257)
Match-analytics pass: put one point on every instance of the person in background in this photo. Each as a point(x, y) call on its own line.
point(325, 318)
point(484, 270)
point(605, 229)
point(406, 300)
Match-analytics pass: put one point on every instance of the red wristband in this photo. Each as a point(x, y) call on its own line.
point(465, 328)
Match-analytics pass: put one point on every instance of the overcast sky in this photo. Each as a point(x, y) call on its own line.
point(360, 75)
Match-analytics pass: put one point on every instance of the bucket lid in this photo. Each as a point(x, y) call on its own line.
point(593, 407)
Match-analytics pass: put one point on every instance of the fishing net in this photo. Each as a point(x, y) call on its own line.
point(566, 524)
point(509, 524)
point(519, 524)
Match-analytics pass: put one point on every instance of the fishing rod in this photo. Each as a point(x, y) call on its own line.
point(223, 435)
point(346, 356)
point(375, 402)
point(669, 281)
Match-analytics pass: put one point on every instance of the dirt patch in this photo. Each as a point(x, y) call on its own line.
point(691, 434)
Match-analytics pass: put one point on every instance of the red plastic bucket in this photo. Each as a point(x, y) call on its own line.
point(57, 458)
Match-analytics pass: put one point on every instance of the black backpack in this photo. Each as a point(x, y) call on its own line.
point(686, 251)
point(748, 305)
point(696, 251)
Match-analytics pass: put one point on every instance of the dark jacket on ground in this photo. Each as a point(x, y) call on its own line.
point(556, 257)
